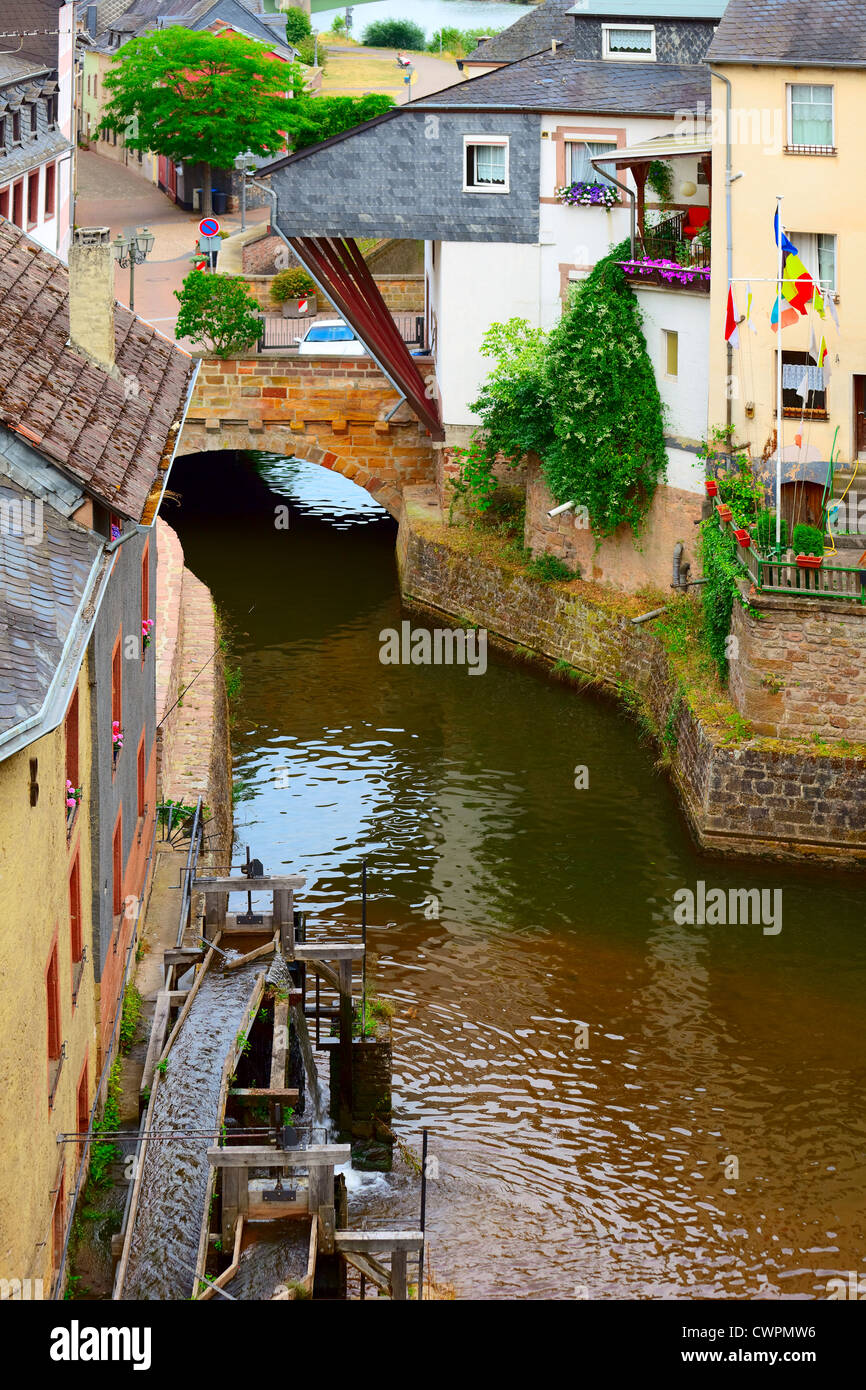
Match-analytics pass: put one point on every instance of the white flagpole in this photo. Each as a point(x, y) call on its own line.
point(779, 379)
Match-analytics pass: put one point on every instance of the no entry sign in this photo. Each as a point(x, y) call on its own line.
point(209, 226)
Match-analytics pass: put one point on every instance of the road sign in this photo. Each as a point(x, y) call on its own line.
point(209, 226)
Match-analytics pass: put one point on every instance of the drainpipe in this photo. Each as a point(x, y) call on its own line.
point(728, 181)
point(624, 188)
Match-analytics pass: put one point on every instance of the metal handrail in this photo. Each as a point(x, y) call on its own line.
point(189, 871)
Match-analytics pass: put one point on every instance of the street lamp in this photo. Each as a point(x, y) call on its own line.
point(132, 251)
point(245, 164)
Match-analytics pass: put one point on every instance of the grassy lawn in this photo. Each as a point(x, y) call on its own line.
point(354, 76)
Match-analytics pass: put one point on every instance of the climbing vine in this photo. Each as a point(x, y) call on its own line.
point(660, 177)
point(583, 398)
point(718, 548)
point(608, 450)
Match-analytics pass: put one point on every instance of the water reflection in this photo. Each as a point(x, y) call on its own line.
point(711, 1050)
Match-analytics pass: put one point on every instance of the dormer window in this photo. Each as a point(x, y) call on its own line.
point(629, 42)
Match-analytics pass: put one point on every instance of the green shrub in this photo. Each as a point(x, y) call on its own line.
point(808, 540)
point(298, 26)
point(550, 568)
point(217, 312)
point(293, 283)
point(309, 53)
point(766, 531)
point(130, 1016)
point(394, 33)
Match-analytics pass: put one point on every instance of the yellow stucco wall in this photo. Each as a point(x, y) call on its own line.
point(821, 193)
point(35, 859)
point(94, 96)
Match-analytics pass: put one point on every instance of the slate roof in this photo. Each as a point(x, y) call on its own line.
point(74, 412)
point(529, 34)
point(141, 15)
point(20, 15)
point(43, 582)
point(48, 144)
point(561, 82)
point(831, 33)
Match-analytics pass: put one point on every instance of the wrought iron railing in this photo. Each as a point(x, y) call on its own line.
point(667, 241)
point(279, 332)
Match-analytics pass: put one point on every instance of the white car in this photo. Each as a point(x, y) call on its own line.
point(330, 338)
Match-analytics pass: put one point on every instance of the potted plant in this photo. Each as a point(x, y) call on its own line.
point(73, 796)
point(146, 625)
point(293, 288)
point(809, 547)
point(743, 537)
point(712, 487)
point(588, 195)
point(724, 511)
point(116, 739)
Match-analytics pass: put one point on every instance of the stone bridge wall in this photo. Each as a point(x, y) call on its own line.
point(329, 410)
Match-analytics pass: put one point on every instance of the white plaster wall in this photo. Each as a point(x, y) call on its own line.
point(686, 395)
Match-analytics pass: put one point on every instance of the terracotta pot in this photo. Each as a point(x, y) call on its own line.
point(725, 513)
point(712, 487)
point(810, 562)
point(744, 538)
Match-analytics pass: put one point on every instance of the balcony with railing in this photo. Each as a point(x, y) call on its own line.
point(668, 256)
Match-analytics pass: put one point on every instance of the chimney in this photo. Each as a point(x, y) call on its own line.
point(91, 20)
point(91, 296)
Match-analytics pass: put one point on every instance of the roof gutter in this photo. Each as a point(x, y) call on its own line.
point(165, 477)
point(630, 193)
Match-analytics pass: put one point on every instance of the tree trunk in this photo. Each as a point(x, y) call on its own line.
point(206, 201)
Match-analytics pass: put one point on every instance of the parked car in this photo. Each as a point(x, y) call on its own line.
point(330, 338)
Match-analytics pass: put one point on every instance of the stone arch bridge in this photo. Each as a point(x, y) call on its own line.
point(329, 410)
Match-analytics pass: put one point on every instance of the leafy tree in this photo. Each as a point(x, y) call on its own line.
point(298, 25)
point(201, 97)
point(217, 312)
point(607, 451)
point(458, 42)
point(308, 53)
point(395, 33)
point(317, 118)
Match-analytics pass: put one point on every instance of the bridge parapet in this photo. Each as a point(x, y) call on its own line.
point(329, 410)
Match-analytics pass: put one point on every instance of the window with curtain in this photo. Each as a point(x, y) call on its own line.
point(818, 254)
point(629, 41)
point(486, 166)
point(578, 153)
point(801, 375)
point(810, 112)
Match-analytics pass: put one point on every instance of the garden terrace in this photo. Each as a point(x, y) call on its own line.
point(808, 576)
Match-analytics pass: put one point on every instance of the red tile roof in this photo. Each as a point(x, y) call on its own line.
point(114, 436)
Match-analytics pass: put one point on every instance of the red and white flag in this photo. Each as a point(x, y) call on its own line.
point(732, 332)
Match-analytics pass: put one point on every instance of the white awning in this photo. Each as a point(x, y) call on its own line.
point(673, 146)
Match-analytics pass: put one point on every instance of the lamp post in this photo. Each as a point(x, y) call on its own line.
point(132, 251)
point(242, 164)
point(315, 48)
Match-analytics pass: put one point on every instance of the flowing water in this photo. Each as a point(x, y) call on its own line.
point(174, 1178)
point(617, 1104)
point(278, 1254)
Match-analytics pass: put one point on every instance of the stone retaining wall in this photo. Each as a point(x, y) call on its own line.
point(752, 798)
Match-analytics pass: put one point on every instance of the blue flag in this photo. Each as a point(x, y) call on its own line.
point(788, 247)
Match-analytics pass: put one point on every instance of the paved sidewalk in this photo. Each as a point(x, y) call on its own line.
point(111, 195)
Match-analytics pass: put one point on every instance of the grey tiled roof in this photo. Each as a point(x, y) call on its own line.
point(74, 412)
point(24, 15)
point(561, 82)
point(14, 68)
point(814, 32)
point(527, 35)
point(48, 144)
point(42, 584)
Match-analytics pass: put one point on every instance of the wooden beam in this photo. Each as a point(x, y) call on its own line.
point(215, 908)
point(280, 1045)
point(281, 1093)
point(353, 1242)
point(321, 1188)
point(371, 1268)
point(263, 950)
point(257, 1156)
point(327, 1227)
point(275, 1211)
point(399, 1280)
point(344, 1056)
point(157, 1038)
point(324, 950)
point(183, 955)
point(284, 920)
point(242, 884)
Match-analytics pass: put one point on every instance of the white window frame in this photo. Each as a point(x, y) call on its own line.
point(807, 245)
point(584, 140)
point(607, 29)
point(501, 140)
point(792, 143)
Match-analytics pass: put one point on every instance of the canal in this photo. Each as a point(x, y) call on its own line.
point(618, 1105)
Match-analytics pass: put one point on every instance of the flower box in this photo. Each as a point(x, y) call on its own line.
point(810, 562)
point(292, 309)
point(712, 487)
point(744, 538)
point(725, 513)
point(588, 195)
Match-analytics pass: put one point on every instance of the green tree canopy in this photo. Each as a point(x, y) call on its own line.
point(200, 96)
point(395, 33)
point(298, 25)
point(218, 313)
point(317, 118)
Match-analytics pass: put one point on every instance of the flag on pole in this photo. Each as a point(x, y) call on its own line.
point(803, 388)
point(788, 247)
point(818, 303)
point(749, 320)
point(798, 287)
point(788, 316)
point(833, 314)
point(732, 332)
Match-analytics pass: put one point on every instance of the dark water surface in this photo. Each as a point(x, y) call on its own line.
point(709, 1139)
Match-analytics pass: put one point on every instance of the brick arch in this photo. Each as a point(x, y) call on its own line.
point(331, 412)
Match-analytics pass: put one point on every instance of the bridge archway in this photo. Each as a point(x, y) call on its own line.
point(332, 412)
